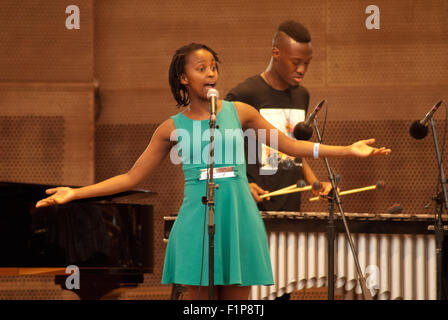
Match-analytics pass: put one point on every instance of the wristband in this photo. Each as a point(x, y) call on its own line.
point(316, 151)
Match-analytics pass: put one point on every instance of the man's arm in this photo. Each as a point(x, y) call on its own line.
point(236, 95)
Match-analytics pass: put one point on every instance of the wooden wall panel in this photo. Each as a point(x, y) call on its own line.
point(135, 41)
point(69, 112)
point(377, 102)
point(47, 71)
point(375, 81)
point(408, 50)
point(37, 46)
point(46, 109)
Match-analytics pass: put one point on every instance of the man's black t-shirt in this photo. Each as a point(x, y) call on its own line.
point(283, 109)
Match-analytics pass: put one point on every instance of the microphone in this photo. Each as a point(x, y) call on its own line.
point(314, 113)
point(418, 129)
point(303, 130)
point(213, 95)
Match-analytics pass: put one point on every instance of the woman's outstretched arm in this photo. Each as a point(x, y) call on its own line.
point(150, 159)
point(250, 118)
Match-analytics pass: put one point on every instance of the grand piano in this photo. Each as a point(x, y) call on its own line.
point(109, 239)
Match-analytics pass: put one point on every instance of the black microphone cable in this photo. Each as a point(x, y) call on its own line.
point(205, 217)
point(325, 123)
point(338, 177)
point(439, 185)
point(203, 236)
point(322, 138)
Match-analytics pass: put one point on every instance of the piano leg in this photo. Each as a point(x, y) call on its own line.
point(177, 292)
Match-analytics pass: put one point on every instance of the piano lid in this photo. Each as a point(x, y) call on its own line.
point(113, 232)
point(35, 192)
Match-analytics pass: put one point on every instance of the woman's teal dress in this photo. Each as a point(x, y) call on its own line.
point(241, 248)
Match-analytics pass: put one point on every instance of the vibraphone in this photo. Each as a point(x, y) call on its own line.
point(396, 252)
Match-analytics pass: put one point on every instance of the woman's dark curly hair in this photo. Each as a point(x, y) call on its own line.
point(177, 68)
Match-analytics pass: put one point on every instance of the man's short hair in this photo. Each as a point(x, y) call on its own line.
point(293, 29)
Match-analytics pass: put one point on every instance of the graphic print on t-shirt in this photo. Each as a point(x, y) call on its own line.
point(283, 119)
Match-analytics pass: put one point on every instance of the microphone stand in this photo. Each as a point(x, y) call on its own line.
point(334, 196)
point(210, 200)
point(330, 242)
point(438, 228)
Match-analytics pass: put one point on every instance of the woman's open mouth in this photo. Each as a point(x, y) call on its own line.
point(210, 85)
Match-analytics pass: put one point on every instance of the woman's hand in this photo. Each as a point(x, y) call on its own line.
point(363, 150)
point(59, 195)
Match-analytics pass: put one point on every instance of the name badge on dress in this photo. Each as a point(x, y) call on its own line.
point(219, 173)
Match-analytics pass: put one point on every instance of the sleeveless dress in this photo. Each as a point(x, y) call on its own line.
point(241, 248)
